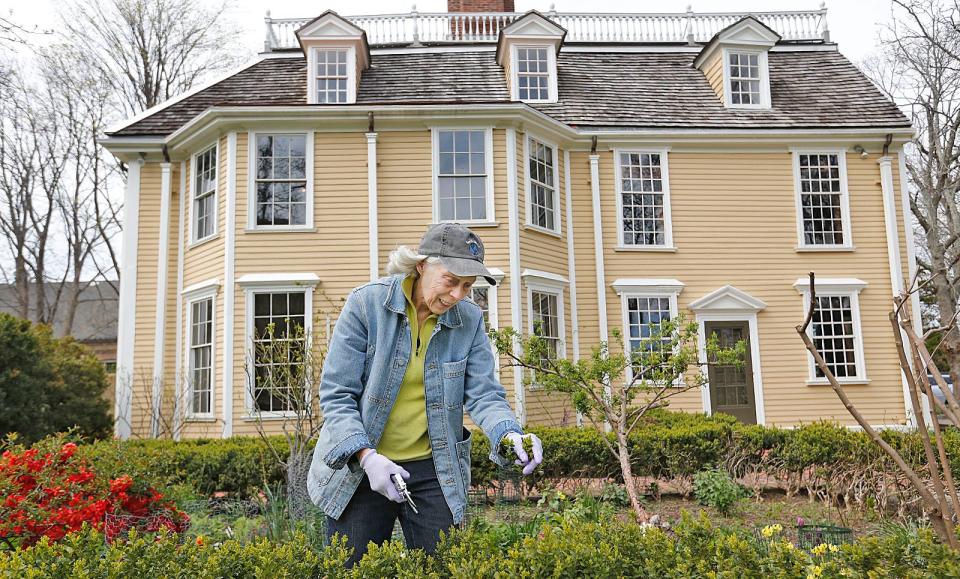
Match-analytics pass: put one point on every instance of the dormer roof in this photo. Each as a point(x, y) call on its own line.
point(531, 26)
point(330, 26)
point(747, 31)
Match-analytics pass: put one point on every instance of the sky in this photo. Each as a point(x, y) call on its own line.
point(854, 24)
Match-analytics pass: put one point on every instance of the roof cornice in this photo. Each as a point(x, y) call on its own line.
point(218, 120)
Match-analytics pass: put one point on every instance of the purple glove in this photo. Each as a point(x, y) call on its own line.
point(517, 440)
point(378, 469)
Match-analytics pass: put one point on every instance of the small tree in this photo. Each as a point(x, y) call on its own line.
point(283, 369)
point(937, 489)
point(655, 369)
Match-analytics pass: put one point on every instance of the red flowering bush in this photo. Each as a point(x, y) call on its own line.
point(48, 491)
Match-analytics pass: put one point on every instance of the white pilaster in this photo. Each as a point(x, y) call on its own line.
point(156, 397)
point(513, 219)
point(180, 394)
point(372, 202)
point(229, 293)
point(126, 324)
point(571, 266)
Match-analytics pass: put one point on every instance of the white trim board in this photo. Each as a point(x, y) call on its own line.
point(178, 340)
point(229, 294)
point(513, 236)
point(160, 311)
point(126, 324)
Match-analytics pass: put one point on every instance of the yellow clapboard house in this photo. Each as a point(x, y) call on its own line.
point(621, 168)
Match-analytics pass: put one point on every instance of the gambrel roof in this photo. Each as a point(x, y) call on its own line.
point(809, 89)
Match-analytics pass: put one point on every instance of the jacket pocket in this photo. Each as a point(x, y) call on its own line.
point(453, 375)
point(463, 459)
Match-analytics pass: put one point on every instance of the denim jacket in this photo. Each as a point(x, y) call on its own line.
point(361, 377)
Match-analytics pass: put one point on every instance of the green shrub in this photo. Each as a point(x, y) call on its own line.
point(49, 385)
point(714, 488)
point(565, 548)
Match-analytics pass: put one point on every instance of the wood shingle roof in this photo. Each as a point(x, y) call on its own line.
point(809, 89)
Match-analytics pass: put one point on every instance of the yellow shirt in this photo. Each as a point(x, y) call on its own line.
point(405, 434)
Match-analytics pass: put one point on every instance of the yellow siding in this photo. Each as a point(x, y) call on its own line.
point(713, 70)
point(544, 252)
point(336, 251)
point(734, 222)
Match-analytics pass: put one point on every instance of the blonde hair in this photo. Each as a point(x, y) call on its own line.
point(404, 260)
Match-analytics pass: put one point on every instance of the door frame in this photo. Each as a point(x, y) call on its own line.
point(751, 319)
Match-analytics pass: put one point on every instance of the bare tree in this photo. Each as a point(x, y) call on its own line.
point(919, 68)
point(151, 50)
point(937, 488)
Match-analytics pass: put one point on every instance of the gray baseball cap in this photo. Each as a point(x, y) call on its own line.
point(459, 249)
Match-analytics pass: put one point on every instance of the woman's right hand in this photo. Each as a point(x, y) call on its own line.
point(378, 469)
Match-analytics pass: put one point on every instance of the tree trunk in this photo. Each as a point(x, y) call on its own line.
point(623, 453)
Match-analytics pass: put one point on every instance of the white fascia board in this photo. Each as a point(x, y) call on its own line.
point(830, 284)
point(727, 298)
point(544, 278)
point(267, 279)
point(647, 285)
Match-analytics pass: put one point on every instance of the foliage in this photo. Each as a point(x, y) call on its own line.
point(47, 384)
point(714, 488)
point(50, 491)
point(547, 548)
point(650, 370)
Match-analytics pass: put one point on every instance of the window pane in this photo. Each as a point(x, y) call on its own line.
point(279, 362)
point(833, 337)
point(462, 153)
point(281, 179)
point(642, 216)
point(821, 199)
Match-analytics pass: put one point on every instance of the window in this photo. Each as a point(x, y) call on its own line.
point(463, 179)
point(332, 75)
point(542, 191)
point(643, 199)
point(835, 328)
point(533, 73)
point(204, 194)
point(281, 181)
point(200, 356)
point(545, 320)
point(745, 80)
point(279, 348)
point(834, 337)
point(480, 295)
point(823, 204)
point(645, 318)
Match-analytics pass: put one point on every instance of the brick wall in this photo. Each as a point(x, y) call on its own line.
point(480, 6)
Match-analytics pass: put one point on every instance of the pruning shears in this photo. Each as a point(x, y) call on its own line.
point(404, 491)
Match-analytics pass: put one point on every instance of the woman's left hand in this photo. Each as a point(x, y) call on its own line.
point(527, 462)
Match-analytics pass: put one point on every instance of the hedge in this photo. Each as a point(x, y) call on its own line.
point(571, 549)
point(667, 446)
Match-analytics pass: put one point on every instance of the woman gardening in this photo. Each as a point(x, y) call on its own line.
point(407, 357)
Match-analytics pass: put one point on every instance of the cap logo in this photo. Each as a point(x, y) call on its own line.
point(474, 247)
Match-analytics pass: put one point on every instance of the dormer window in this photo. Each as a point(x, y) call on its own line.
point(332, 75)
point(533, 73)
point(527, 51)
point(734, 62)
point(337, 53)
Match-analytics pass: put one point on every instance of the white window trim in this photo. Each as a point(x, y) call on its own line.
point(488, 162)
point(193, 195)
point(762, 62)
point(493, 312)
point(351, 73)
point(556, 231)
point(667, 213)
point(196, 293)
point(551, 67)
point(847, 244)
point(274, 283)
point(547, 286)
point(830, 287)
point(252, 182)
point(628, 288)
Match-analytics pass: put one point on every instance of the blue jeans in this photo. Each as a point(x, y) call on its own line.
point(370, 516)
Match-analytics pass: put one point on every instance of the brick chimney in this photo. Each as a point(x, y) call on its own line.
point(480, 6)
